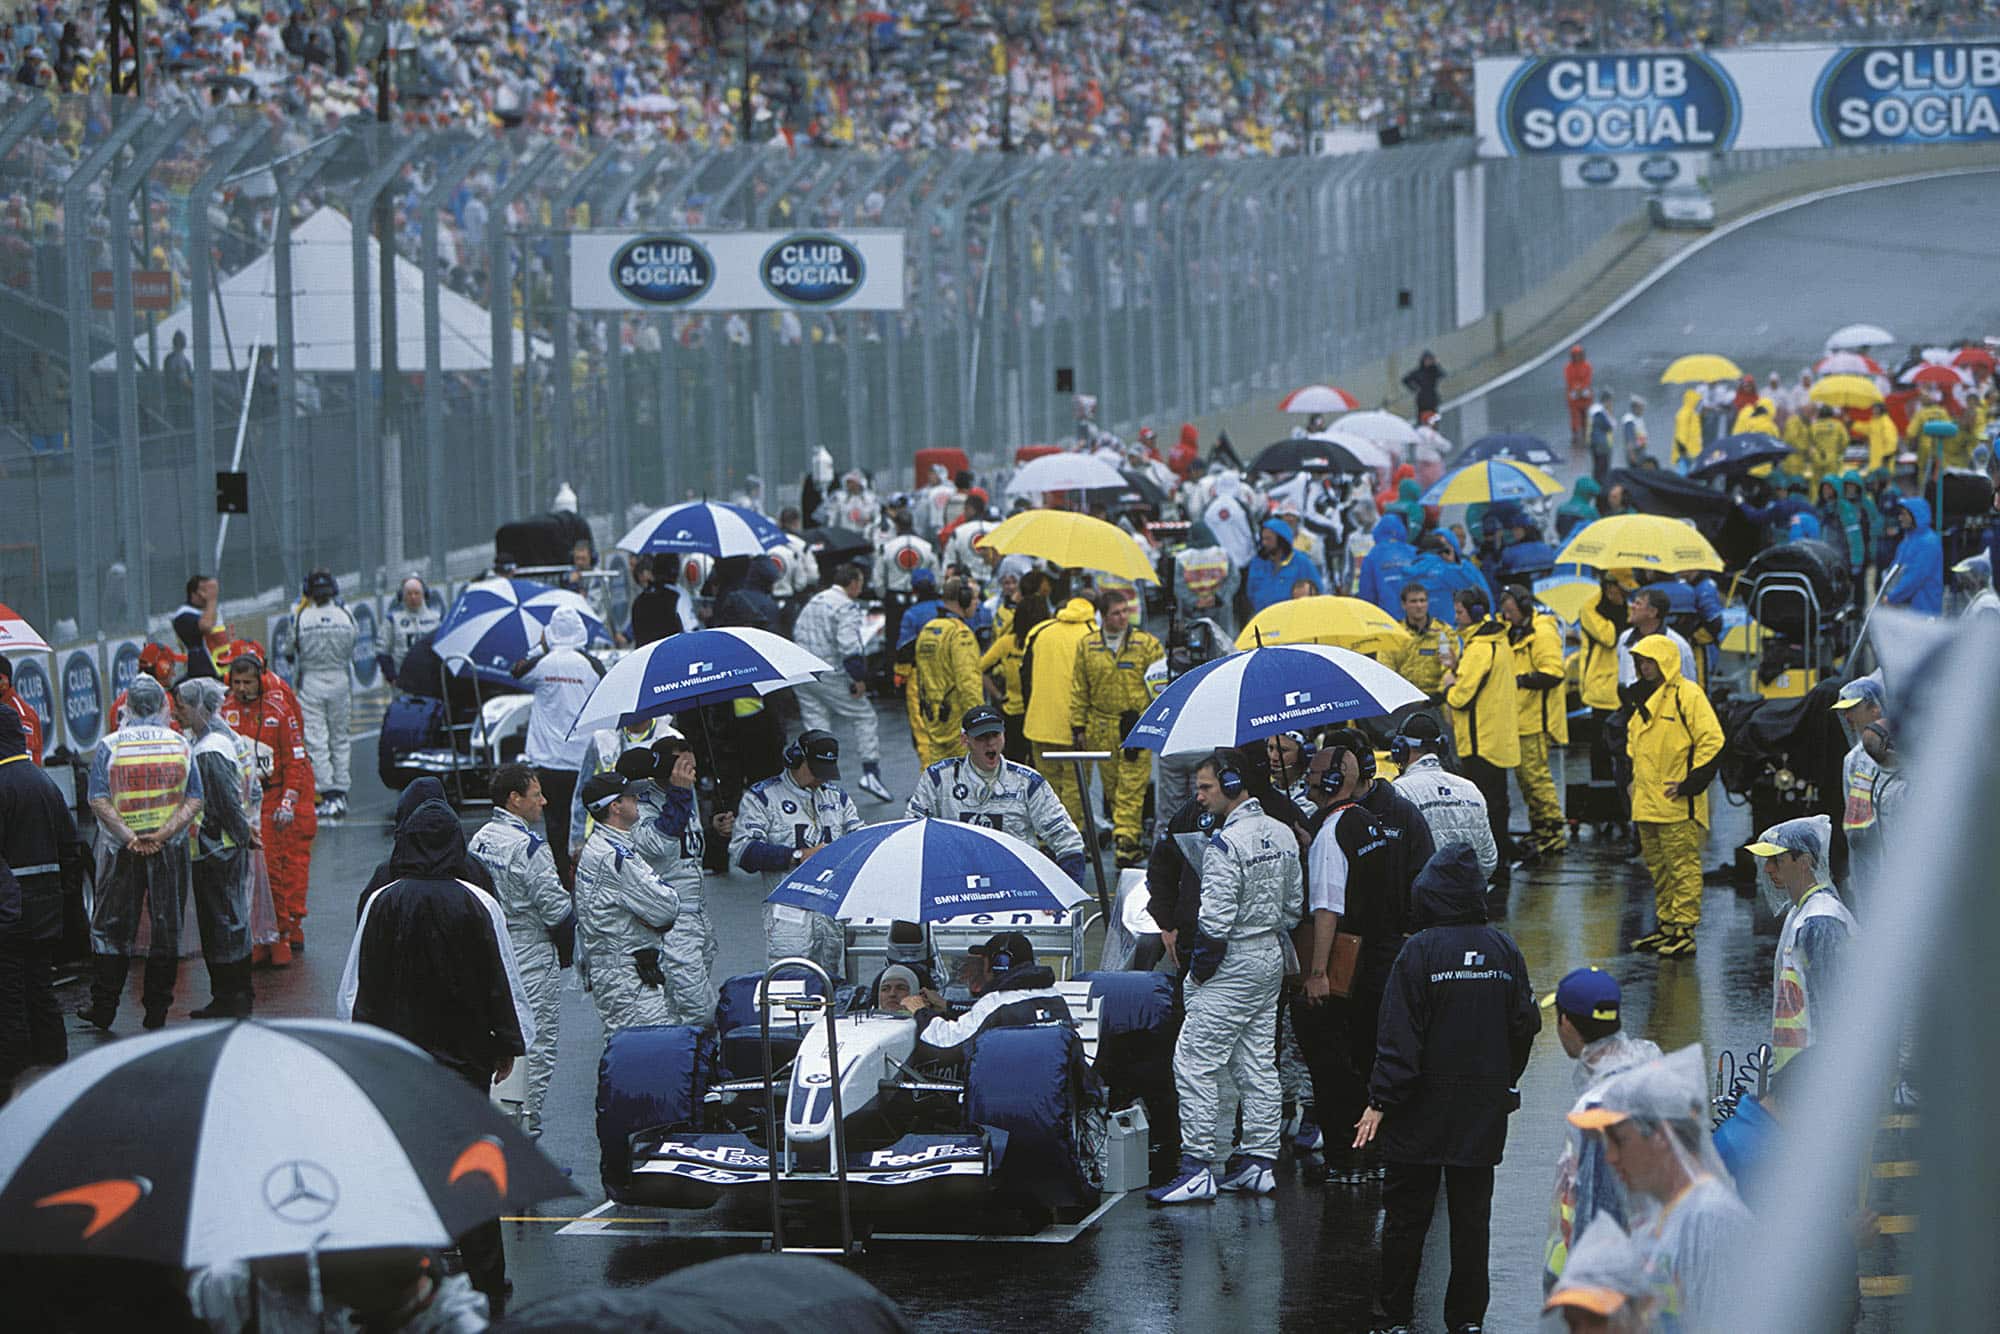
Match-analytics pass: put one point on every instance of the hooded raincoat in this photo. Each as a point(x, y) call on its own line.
point(1387, 564)
point(1458, 1022)
point(1484, 715)
point(1673, 737)
point(1580, 510)
point(1919, 582)
point(1269, 579)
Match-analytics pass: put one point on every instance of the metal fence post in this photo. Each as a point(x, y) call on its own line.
point(82, 429)
point(449, 178)
point(500, 305)
point(201, 281)
point(764, 409)
point(562, 453)
point(290, 181)
point(368, 368)
point(131, 484)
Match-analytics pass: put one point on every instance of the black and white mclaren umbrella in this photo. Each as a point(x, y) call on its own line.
point(229, 1141)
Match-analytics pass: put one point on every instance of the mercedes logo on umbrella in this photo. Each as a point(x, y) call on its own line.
point(300, 1191)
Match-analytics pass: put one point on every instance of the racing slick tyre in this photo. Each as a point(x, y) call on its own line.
point(648, 1078)
point(1032, 1084)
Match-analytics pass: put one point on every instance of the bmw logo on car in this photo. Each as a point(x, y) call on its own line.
point(1659, 169)
point(812, 269)
point(1598, 171)
point(662, 270)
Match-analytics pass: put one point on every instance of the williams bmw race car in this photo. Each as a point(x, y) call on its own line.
point(1015, 1126)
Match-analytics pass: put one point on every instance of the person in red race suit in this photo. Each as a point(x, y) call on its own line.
point(261, 709)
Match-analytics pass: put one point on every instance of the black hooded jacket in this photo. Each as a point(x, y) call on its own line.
point(438, 855)
point(430, 967)
point(1458, 1020)
point(37, 834)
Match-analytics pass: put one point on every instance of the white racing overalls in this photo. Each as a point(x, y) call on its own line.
point(323, 648)
point(669, 836)
point(1251, 889)
point(774, 820)
point(622, 915)
point(534, 901)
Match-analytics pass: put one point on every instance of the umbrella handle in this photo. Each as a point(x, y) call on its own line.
point(1078, 758)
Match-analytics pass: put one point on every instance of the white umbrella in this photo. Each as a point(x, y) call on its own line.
point(694, 668)
point(258, 1139)
point(1263, 691)
point(1322, 399)
point(926, 871)
point(1062, 472)
point(1382, 427)
point(1371, 453)
point(1856, 336)
point(17, 636)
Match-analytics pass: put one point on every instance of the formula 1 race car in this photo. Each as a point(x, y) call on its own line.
point(1015, 1127)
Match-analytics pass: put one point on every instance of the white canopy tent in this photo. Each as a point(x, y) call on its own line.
point(244, 313)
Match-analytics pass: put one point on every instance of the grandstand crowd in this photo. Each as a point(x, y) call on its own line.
point(1224, 78)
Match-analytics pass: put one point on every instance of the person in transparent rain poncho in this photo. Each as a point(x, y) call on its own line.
point(1797, 877)
point(1685, 1217)
point(1604, 1289)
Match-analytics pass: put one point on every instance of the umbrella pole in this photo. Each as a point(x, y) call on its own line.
point(1077, 759)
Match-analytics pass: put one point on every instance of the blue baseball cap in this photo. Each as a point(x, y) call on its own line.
point(1589, 993)
point(982, 720)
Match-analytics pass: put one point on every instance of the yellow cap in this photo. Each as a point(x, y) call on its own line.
point(1764, 849)
point(1597, 1301)
point(1846, 703)
point(1596, 1118)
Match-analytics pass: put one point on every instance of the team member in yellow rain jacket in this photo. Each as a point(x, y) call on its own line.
point(1674, 741)
point(1048, 663)
point(1479, 695)
point(1881, 442)
point(1829, 445)
point(1107, 693)
point(1687, 431)
point(1540, 709)
point(946, 680)
point(1798, 438)
point(1420, 659)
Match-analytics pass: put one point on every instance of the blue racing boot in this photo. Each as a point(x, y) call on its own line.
point(1310, 1138)
point(1247, 1172)
point(1194, 1184)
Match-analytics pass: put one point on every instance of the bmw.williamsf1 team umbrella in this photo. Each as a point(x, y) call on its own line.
point(497, 622)
point(694, 668)
point(926, 871)
point(705, 526)
point(216, 1142)
point(1264, 691)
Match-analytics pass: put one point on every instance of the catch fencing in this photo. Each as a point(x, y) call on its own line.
point(1170, 288)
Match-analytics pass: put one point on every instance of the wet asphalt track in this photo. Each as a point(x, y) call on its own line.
point(1307, 1257)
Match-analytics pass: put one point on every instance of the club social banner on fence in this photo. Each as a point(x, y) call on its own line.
point(1907, 93)
point(712, 271)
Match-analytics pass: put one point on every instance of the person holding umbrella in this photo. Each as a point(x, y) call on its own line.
point(781, 822)
point(1481, 700)
point(1251, 888)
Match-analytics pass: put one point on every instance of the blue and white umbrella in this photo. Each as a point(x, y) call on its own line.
point(497, 622)
point(694, 668)
point(926, 871)
point(1263, 691)
point(703, 526)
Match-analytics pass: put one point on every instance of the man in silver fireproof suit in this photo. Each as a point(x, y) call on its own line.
point(623, 912)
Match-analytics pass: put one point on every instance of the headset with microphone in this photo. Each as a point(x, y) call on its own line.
point(1228, 771)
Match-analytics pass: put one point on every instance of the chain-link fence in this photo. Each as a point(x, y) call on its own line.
point(188, 295)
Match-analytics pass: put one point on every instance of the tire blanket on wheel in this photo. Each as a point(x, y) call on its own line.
point(1030, 1082)
point(646, 1077)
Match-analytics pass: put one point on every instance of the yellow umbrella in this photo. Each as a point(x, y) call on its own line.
point(1700, 368)
point(1642, 542)
point(1489, 480)
point(1567, 598)
point(1075, 542)
point(1350, 623)
point(1845, 391)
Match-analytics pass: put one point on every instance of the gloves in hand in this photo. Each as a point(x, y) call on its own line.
point(647, 962)
point(1206, 956)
